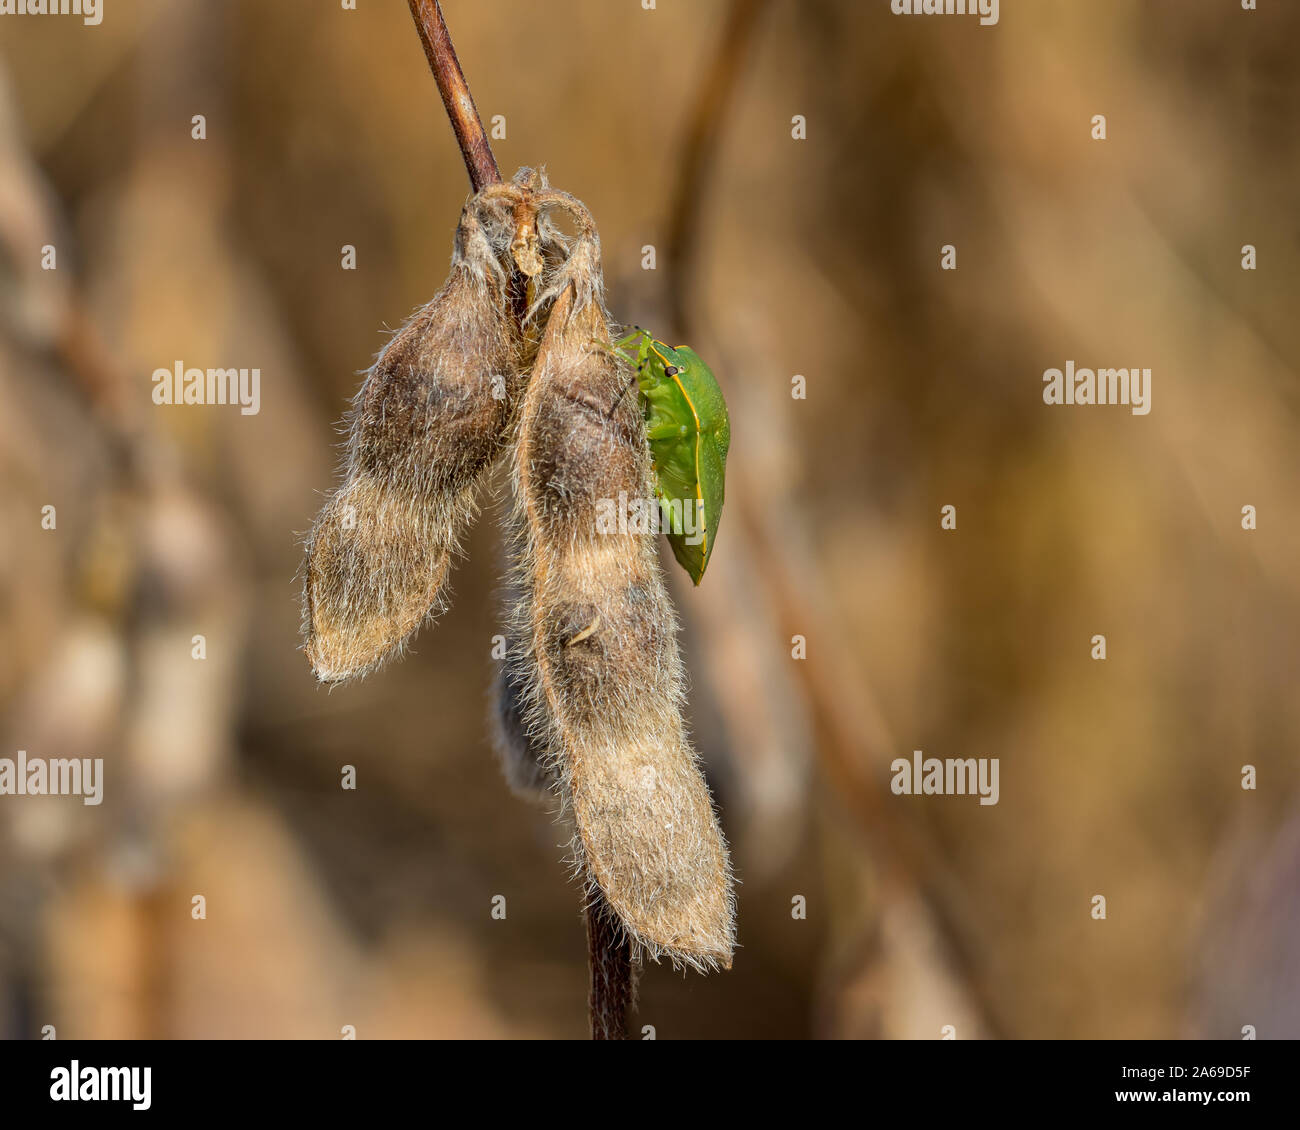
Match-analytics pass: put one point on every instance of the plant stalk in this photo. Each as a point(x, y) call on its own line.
point(612, 984)
point(459, 103)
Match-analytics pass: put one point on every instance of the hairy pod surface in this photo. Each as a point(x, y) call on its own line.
point(432, 414)
point(524, 762)
point(600, 668)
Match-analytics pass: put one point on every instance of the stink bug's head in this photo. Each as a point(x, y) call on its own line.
point(671, 359)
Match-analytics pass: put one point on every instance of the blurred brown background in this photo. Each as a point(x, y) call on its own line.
point(818, 257)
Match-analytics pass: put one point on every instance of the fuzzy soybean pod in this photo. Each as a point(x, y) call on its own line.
point(431, 416)
point(524, 762)
point(602, 678)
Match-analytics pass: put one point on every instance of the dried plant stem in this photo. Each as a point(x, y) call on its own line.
point(473, 142)
point(612, 984)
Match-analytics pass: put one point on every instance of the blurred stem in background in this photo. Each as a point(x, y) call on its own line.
point(918, 900)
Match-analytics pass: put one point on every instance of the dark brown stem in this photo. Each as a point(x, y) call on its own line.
point(473, 142)
point(612, 984)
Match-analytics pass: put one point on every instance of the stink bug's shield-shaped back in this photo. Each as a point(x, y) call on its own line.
point(689, 433)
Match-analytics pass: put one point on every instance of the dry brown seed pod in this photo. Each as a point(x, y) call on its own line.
point(524, 762)
point(431, 416)
point(599, 666)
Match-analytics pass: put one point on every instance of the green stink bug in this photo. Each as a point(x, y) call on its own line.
point(689, 433)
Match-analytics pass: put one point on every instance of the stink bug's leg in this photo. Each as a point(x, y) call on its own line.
point(666, 431)
point(644, 349)
point(617, 352)
point(619, 400)
point(640, 359)
point(628, 339)
point(620, 347)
